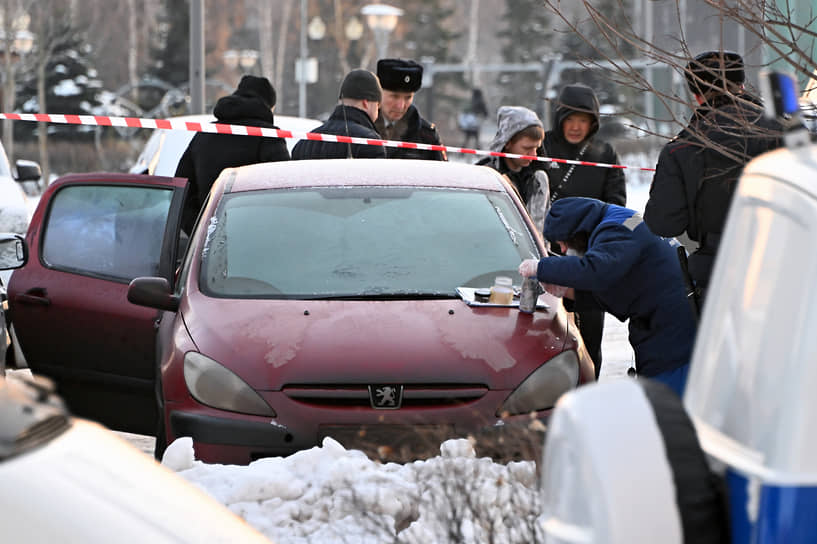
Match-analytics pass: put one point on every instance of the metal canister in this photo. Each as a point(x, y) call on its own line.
point(529, 295)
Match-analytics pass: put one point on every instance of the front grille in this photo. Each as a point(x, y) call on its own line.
point(357, 395)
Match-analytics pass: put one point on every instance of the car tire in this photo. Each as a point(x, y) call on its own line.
point(161, 438)
point(699, 491)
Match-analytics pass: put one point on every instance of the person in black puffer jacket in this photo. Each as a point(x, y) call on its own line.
point(360, 95)
point(697, 171)
point(573, 137)
point(208, 154)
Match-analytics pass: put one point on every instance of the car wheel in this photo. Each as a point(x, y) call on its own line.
point(161, 437)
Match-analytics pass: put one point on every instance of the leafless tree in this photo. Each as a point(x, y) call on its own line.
point(776, 31)
point(52, 26)
point(13, 20)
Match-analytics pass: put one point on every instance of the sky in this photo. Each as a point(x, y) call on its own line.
point(329, 494)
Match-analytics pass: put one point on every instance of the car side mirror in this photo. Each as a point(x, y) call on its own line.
point(153, 293)
point(13, 251)
point(27, 170)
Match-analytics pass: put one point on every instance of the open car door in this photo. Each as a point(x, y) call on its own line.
point(90, 236)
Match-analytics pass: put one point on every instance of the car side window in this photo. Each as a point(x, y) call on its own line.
point(105, 230)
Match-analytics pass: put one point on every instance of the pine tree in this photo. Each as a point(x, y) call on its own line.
point(171, 49)
point(589, 44)
point(526, 31)
point(72, 86)
point(431, 33)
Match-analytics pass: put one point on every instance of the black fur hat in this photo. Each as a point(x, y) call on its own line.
point(259, 87)
point(712, 70)
point(400, 75)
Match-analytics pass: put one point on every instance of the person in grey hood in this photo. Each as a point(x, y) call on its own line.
point(573, 137)
point(520, 132)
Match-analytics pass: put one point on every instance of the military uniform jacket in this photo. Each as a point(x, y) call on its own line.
point(411, 128)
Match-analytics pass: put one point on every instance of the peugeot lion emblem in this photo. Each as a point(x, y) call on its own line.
point(386, 396)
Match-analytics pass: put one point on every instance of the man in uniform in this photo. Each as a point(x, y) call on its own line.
point(399, 118)
point(698, 170)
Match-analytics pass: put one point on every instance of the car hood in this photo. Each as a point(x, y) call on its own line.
point(271, 343)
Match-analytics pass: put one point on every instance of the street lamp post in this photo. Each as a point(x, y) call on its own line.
point(245, 58)
point(382, 19)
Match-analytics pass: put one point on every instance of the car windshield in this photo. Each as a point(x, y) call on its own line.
point(362, 242)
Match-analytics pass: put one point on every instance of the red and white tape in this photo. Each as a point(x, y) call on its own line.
point(219, 128)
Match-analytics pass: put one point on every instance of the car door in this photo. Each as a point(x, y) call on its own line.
point(91, 235)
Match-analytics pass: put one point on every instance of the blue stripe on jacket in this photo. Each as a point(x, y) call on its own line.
point(633, 274)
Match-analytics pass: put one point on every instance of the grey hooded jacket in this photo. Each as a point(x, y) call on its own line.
point(531, 181)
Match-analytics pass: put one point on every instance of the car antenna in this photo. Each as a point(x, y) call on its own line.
point(346, 123)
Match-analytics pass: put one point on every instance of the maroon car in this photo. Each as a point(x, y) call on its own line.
point(315, 298)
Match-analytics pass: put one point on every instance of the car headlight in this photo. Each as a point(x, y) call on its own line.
point(212, 384)
point(544, 386)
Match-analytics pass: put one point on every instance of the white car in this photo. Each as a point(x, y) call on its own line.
point(165, 147)
point(71, 480)
point(15, 207)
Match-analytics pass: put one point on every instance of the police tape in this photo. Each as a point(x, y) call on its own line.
point(241, 130)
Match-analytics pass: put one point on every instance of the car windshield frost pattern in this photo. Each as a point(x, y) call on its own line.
point(362, 242)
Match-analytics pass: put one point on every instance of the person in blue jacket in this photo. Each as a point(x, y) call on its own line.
point(631, 272)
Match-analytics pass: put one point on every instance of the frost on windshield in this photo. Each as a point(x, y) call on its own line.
point(512, 233)
point(362, 241)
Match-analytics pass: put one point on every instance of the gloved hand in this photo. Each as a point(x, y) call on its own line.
point(528, 268)
point(557, 291)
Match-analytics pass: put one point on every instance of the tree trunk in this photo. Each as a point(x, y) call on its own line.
point(8, 87)
point(267, 53)
point(282, 49)
point(42, 133)
point(133, 50)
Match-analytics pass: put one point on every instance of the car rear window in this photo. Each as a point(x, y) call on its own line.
point(366, 242)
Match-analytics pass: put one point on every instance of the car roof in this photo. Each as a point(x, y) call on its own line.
point(362, 172)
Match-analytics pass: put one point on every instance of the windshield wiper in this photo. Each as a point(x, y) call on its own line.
point(384, 296)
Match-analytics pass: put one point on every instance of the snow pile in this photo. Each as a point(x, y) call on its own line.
point(330, 495)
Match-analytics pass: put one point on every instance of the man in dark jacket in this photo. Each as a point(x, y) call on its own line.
point(697, 171)
point(399, 118)
point(573, 137)
point(520, 132)
point(631, 273)
point(360, 95)
point(208, 154)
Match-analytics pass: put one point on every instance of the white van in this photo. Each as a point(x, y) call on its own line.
point(165, 147)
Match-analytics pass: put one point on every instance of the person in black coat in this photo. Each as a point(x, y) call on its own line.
point(360, 95)
point(208, 154)
point(698, 170)
point(630, 272)
point(573, 137)
point(399, 119)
